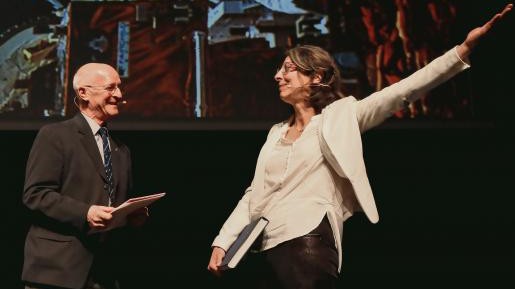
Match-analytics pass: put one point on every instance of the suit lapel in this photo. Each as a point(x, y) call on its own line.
point(90, 145)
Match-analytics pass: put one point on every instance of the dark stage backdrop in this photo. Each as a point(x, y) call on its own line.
point(445, 197)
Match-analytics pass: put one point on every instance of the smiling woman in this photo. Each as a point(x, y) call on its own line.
point(308, 80)
point(310, 76)
point(310, 175)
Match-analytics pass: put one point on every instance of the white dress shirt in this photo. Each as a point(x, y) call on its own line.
point(94, 129)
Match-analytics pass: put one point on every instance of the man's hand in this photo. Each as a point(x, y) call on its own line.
point(99, 216)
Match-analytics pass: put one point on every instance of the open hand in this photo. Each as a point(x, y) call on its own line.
point(476, 34)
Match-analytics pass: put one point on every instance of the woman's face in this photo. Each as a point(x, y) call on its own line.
point(293, 85)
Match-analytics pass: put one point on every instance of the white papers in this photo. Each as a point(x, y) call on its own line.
point(121, 212)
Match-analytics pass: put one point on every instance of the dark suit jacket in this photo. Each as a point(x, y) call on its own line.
point(64, 177)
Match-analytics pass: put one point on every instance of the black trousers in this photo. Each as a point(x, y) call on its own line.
point(306, 262)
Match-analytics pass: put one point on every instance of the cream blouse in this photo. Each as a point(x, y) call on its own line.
point(315, 194)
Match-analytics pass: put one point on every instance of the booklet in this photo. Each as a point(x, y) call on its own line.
point(121, 212)
point(248, 235)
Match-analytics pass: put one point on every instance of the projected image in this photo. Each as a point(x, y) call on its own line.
point(31, 74)
point(153, 47)
point(216, 59)
point(376, 43)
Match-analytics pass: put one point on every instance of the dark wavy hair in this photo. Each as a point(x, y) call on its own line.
point(312, 60)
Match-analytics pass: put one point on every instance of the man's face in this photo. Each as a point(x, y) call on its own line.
point(102, 93)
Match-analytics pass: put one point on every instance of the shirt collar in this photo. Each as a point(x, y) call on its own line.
point(92, 124)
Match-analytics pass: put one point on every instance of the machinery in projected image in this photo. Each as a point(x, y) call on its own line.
point(277, 22)
point(214, 59)
point(375, 43)
point(156, 46)
point(29, 70)
point(163, 51)
point(247, 40)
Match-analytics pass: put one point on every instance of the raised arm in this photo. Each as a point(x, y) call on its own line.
point(476, 34)
point(374, 109)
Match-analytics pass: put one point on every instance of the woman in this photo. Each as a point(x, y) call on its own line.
point(310, 174)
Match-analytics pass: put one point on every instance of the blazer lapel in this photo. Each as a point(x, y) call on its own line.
point(88, 142)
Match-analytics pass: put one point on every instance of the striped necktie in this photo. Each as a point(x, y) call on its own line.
point(104, 133)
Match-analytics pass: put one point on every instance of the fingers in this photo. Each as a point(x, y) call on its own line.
point(498, 16)
point(103, 214)
point(213, 267)
point(507, 9)
point(107, 209)
point(476, 34)
point(492, 22)
point(216, 259)
point(99, 216)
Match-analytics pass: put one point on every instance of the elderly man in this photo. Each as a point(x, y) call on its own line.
point(76, 173)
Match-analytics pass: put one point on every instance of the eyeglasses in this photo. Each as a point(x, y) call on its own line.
point(111, 88)
point(287, 67)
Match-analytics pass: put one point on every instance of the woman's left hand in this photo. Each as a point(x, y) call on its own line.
point(476, 34)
